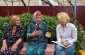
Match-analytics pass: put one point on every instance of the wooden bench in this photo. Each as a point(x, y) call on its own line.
point(49, 50)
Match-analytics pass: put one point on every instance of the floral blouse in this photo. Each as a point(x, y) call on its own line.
point(11, 39)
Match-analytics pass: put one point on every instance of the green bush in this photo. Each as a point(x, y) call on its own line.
point(51, 25)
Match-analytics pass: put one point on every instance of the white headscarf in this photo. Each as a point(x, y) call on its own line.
point(34, 19)
point(34, 16)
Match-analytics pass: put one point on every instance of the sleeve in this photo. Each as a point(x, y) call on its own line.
point(73, 35)
point(58, 34)
point(29, 30)
point(5, 32)
point(21, 32)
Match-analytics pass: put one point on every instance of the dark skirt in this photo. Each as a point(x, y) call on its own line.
point(10, 52)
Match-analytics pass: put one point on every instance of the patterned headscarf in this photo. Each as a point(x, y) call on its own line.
point(37, 13)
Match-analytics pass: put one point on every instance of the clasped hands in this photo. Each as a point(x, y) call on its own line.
point(64, 43)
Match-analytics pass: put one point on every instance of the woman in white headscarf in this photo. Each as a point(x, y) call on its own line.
point(36, 33)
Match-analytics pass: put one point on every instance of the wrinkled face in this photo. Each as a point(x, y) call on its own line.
point(38, 19)
point(17, 21)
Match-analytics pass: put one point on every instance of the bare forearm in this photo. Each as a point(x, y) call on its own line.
point(4, 42)
point(18, 41)
point(30, 35)
point(35, 33)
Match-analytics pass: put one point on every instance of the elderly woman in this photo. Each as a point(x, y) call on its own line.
point(12, 40)
point(66, 35)
point(36, 33)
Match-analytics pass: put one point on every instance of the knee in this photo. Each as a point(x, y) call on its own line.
point(58, 47)
point(40, 52)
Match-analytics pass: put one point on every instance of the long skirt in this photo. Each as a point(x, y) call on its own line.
point(38, 49)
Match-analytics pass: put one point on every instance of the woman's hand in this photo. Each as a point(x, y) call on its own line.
point(64, 43)
point(3, 48)
point(35, 33)
point(48, 34)
point(14, 47)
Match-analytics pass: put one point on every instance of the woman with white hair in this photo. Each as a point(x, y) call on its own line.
point(36, 33)
point(66, 35)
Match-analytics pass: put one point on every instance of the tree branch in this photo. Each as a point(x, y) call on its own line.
point(23, 2)
point(47, 2)
point(7, 7)
point(65, 7)
point(69, 1)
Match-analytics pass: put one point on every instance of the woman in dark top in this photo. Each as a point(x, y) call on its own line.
point(36, 34)
point(12, 40)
